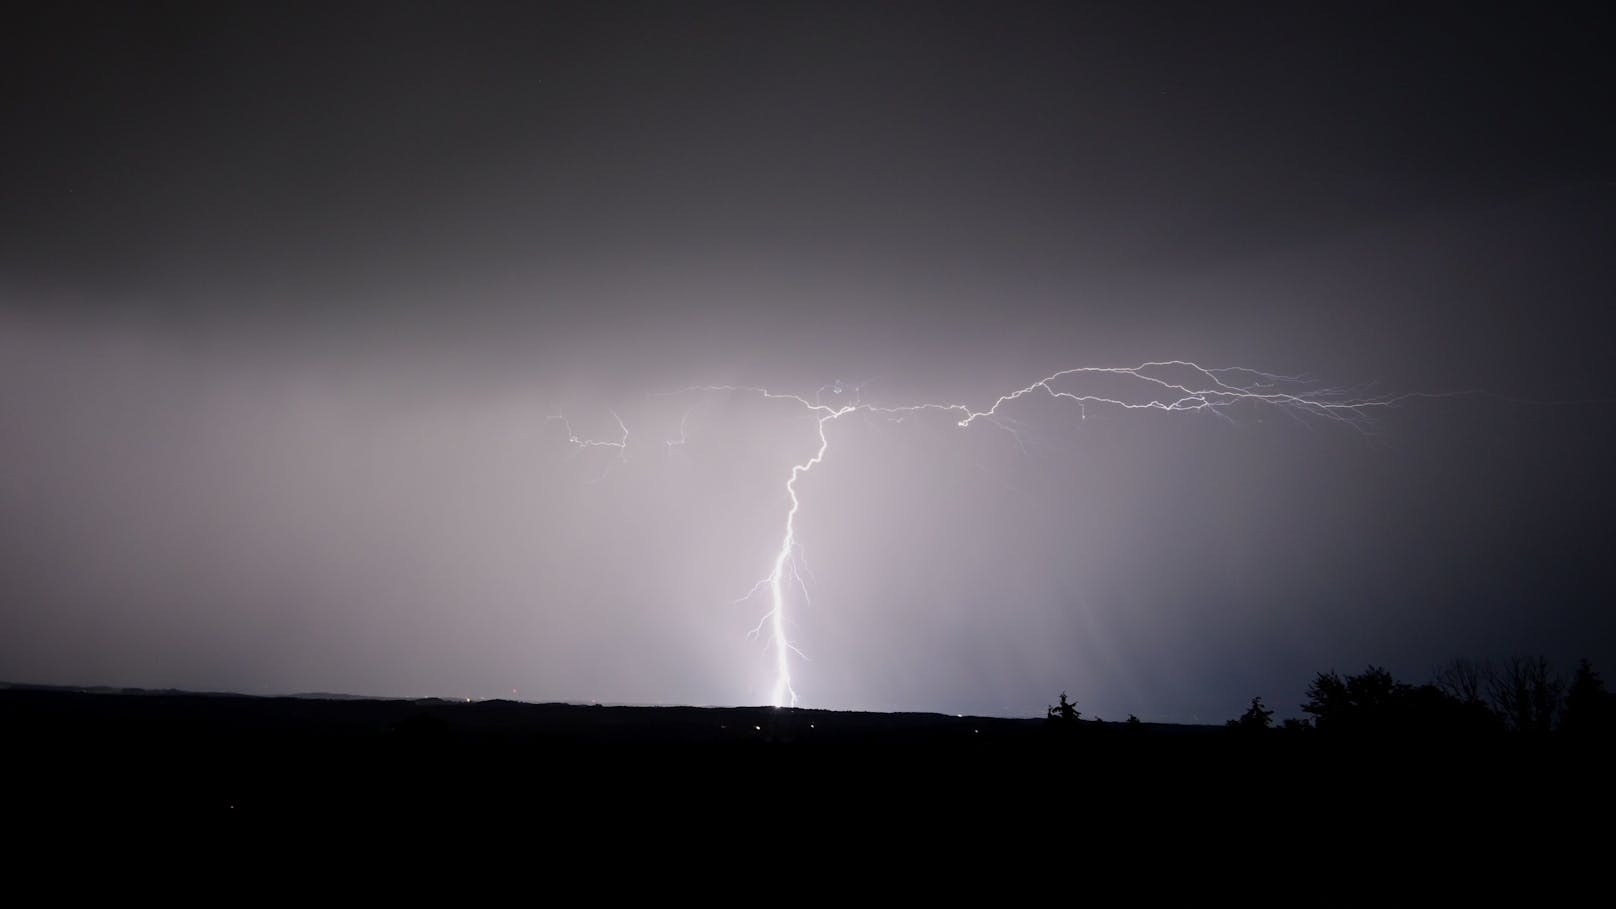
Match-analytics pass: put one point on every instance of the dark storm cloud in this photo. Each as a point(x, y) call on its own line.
point(288, 291)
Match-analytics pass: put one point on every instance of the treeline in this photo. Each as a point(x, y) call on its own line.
point(1522, 696)
point(1519, 697)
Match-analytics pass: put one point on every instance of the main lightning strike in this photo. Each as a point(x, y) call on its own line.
point(1198, 389)
point(788, 555)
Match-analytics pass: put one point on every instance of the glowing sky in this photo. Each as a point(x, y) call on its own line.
point(289, 296)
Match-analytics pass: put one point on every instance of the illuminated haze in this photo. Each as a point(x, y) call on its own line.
point(288, 297)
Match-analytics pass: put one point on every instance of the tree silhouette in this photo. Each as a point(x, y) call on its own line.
point(1525, 692)
point(1374, 702)
point(1065, 712)
point(1256, 718)
point(1365, 701)
point(1590, 710)
point(1462, 679)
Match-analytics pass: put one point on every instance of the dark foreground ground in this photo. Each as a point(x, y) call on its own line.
point(228, 761)
point(236, 795)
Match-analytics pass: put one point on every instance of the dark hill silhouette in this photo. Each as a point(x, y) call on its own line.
point(112, 750)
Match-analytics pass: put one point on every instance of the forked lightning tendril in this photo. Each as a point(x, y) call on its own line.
point(581, 443)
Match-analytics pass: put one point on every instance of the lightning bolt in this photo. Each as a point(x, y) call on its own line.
point(1168, 386)
point(789, 557)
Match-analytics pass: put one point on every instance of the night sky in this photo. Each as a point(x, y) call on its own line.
point(289, 291)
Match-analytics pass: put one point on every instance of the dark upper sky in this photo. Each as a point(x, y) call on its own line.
point(287, 290)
